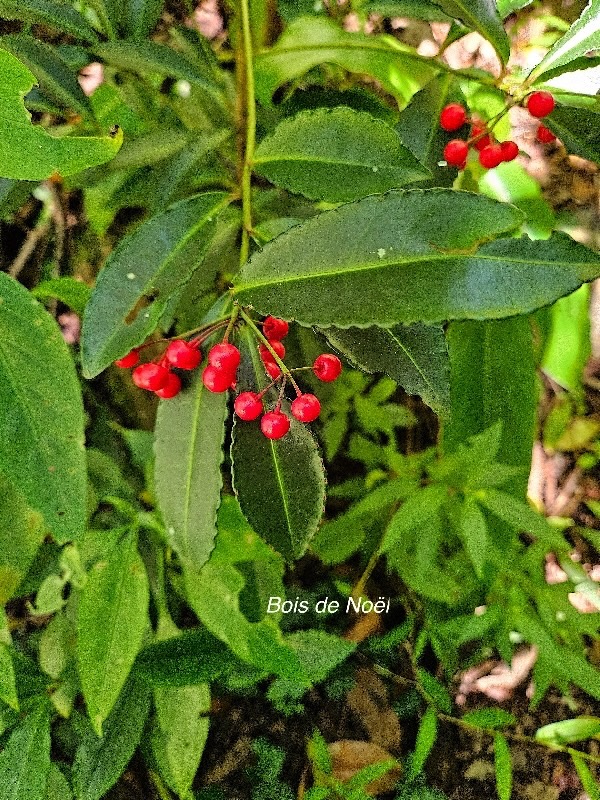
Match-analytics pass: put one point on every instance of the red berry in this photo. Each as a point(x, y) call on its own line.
point(130, 360)
point(183, 355)
point(274, 424)
point(266, 354)
point(544, 135)
point(540, 104)
point(217, 380)
point(248, 406)
point(477, 129)
point(327, 367)
point(456, 152)
point(171, 388)
point(485, 141)
point(510, 150)
point(275, 329)
point(150, 376)
point(224, 356)
point(491, 156)
point(272, 369)
point(306, 408)
point(453, 117)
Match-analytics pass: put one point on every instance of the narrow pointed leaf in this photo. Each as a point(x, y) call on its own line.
point(112, 618)
point(140, 276)
point(582, 36)
point(25, 760)
point(415, 356)
point(589, 783)
point(189, 433)
point(336, 155)
point(141, 16)
point(482, 16)
point(28, 152)
point(49, 12)
point(386, 252)
point(503, 765)
point(426, 737)
point(474, 534)
point(41, 409)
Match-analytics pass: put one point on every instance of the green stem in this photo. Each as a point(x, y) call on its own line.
point(267, 344)
point(250, 133)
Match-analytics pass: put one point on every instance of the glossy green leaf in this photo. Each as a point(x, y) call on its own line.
point(41, 408)
point(503, 766)
point(582, 36)
point(589, 783)
point(141, 16)
point(415, 356)
point(111, 619)
point(146, 269)
point(57, 15)
point(21, 533)
point(100, 761)
point(481, 16)
point(474, 533)
point(568, 344)
point(308, 42)
point(578, 129)
point(483, 357)
point(384, 251)
point(426, 736)
point(336, 155)
point(68, 290)
point(28, 152)
point(489, 718)
point(280, 484)
point(569, 730)
point(190, 430)
point(8, 689)
point(25, 760)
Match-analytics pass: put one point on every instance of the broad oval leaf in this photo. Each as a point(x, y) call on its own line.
point(8, 687)
point(28, 152)
point(147, 267)
point(41, 409)
point(415, 356)
point(280, 484)
point(189, 433)
point(385, 262)
point(482, 16)
point(582, 36)
point(336, 155)
point(578, 129)
point(569, 730)
point(111, 619)
point(49, 12)
point(25, 760)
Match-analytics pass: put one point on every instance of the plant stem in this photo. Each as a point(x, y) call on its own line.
point(250, 116)
point(267, 344)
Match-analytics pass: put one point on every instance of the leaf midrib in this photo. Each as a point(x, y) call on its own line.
point(329, 161)
point(413, 362)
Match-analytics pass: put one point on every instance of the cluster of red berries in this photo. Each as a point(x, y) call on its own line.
point(219, 375)
point(491, 153)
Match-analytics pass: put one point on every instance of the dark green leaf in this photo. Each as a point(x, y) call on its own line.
point(415, 9)
point(190, 430)
point(48, 12)
point(100, 761)
point(519, 515)
point(578, 129)
point(41, 409)
point(582, 36)
point(569, 730)
point(415, 356)
point(436, 691)
point(141, 16)
point(21, 534)
point(71, 292)
point(489, 718)
point(148, 266)
point(336, 155)
point(503, 765)
point(25, 761)
point(426, 737)
point(482, 16)
point(112, 617)
point(474, 534)
point(421, 505)
point(28, 152)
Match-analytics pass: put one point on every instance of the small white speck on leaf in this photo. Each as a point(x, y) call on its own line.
point(381, 252)
point(130, 276)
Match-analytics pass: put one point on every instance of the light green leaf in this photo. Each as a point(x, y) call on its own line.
point(336, 155)
point(426, 737)
point(415, 356)
point(57, 15)
point(189, 433)
point(582, 36)
point(384, 250)
point(589, 783)
point(568, 344)
point(68, 290)
point(569, 730)
point(506, 7)
point(8, 689)
point(21, 534)
point(30, 153)
point(308, 42)
point(57, 787)
point(25, 760)
point(481, 16)
point(112, 618)
point(489, 718)
point(474, 534)
point(421, 505)
point(147, 267)
point(41, 409)
point(503, 765)
point(436, 691)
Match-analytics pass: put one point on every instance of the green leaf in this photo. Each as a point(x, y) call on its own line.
point(112, 618)
point(589, 783)
point(280, 484)
point(414, 9)
point(473, 530)
point(436, 691)
point(578, 129)
point(568, 344)
point(383, 250)
point(25, 760)
point(426, 737)
point(41, 409)
point(519, 515)
point(68, 290)
point(481, 16)
point(57, 787)
point(140, 17)
point(8, 689)
point(21, 534)
point(503, 765)
point(100, 761)
point(489, 718)
point(308, 42)
point(421, 505)
point(569, 730)
point(48, 12)
point(415, 356)
point(506, 7)
point(336, 155)
point(582, 36)
point(28, 152)
point(484, 356)
point(145, 269)
point(189, 432)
